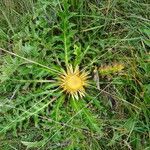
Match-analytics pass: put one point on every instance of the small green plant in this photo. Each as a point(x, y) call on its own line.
point(36, 111)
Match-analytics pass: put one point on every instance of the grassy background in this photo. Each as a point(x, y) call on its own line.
point(38, 38)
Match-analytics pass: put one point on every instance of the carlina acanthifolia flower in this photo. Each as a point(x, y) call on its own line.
point(73, 81)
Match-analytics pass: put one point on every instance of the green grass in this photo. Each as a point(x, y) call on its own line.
point(39, 38)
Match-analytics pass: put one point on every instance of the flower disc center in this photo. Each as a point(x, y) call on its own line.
point(74, 82)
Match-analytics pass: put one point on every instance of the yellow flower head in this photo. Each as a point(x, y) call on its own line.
point(73, 82)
